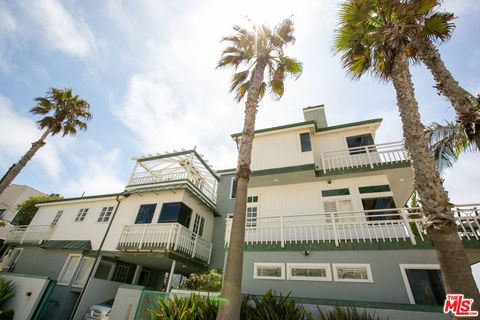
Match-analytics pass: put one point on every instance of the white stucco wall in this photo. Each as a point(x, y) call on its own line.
point(126, 302)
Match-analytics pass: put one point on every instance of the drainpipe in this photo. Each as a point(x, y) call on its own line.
point(97, 255)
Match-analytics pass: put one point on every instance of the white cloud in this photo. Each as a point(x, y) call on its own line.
point(462, 180)
point(62, 30)
point(17, 135)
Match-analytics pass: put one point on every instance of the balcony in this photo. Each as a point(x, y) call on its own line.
point(29, 234)
point(368, 157)
point(385, 225)
point(165, 237)
point(174, 168)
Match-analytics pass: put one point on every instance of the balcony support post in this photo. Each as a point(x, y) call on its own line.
point(170, 276)
point(178, 229)
point(195, 243)
point(367, 151)
point(282, 239)
point(404, 214)
point(170, 234)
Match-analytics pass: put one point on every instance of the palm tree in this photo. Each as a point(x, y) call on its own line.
point(261, 51)
point(427, 26)
point(369, 42)
point(63, 113)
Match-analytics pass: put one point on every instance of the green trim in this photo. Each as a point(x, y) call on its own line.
point(304, 123)
point(373, 189)
point(84, 198)
point(266, 172)
point(42, 305)
point(14, 274)
point(385, 166)
point(335, 192)
point(227, 170)
point(314, 107)
point(192, 262)
point(67, 244)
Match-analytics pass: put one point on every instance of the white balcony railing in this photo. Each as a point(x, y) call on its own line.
point(397, 224)
point(164, 236)
point(29, 234)
point(364, 156)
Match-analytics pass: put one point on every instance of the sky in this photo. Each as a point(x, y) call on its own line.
point(148, 70)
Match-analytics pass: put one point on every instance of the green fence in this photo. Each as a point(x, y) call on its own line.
point(148, 301)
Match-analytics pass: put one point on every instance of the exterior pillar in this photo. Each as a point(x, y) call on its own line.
point(170, 275)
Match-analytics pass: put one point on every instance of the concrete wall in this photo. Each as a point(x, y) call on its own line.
point(28, 293)
point(97, 291)
point(387, 285)
point(126, 302)
point(224, 206)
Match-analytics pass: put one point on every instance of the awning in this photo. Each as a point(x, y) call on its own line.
point(67, 244)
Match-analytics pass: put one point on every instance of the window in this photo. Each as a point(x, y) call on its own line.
point(336, 192)
point(373, 189)
point(124, 272)
point(2, 211)
point(144, 277)
point(105, 214)
point(56, 218)
point(81, 214)
point(334, 206)
point(309, 271)
point(360, 141)
point(198, 225)
point(252, 212)
point(83, 272)
point(274, 271)
point(423, 283)
point(380, 203)
point(305, 142)
point(145, 213)
point(351, 272)
point(68, 269)
point(104, 269)
point(12, 257)
point(176, 212)
point(233, 188)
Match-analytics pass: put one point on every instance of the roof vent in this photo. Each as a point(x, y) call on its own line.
point(317, 114)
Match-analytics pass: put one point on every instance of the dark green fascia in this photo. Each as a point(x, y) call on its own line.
point(335, 192)
point(266, 172)
point(83, 198)
point(386, 166)
point(188, 261)
point(373, 189)
point(299, 124)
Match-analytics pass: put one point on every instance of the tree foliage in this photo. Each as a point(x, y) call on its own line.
point(27, 209)
point(211, 281)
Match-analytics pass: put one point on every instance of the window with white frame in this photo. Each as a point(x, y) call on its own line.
point(198, 225)
point(83, 271)
point(56, 218)
point(233, 188)
point(352, 272)
point(252, 212)
point(12, 257)
point(105, 214)
point(275, 271)
point(332, 207)
point(423, 283)
point(68, 269)
point(309, 271)
point(81, 214)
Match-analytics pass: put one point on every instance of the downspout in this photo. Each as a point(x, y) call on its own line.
point(97, 256)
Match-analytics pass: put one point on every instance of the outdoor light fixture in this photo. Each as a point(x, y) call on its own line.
point(306, 253)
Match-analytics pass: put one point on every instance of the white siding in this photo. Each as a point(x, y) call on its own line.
point(277, 150)
point(306, 198)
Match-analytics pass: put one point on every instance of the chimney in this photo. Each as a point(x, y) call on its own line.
point(317, 114)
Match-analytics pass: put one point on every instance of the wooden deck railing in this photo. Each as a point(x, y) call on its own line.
point(364, 156)
point(353, 226)
point(164, 236)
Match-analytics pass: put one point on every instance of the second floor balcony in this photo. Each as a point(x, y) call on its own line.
point(29, 234)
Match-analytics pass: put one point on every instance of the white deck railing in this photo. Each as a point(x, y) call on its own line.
point(353, 226)
point(29, 234)
point(164, 236)
point(365, 156)
point(175, 174)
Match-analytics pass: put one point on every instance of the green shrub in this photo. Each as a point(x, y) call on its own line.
point(348, 313)
point(6, 315)
point(7, 290)
point(205, 282)
point(272, 307)
point(194, 307)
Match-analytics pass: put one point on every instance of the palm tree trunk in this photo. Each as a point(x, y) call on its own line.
point(461, 100)
point(17, 167)
point(232, 281)
point(456, 271)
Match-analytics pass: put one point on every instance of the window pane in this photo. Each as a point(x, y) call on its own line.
point(352, 273)
point(427, 286)
point(379, 203)
point(269, 271)
point(360, 141)
point(145, 213)
point(233, 191)
point(69, 269)
point(103, 270)
point(305, 142)
point(175, 212)
point(335, 192)
point(82, 275)
point(309, 272)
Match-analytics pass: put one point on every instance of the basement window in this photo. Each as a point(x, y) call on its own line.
point(274, 271)
point(351, 272)
point(309, 271)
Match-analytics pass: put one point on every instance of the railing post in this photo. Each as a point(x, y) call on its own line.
point(210, 253)
point(367, 150)
point(282, 240)
point(409, 228)
point(335, 235)
point(169, 239)
point(143, 236)
point(195, 246)
point(177, 237)
point(323, 162)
